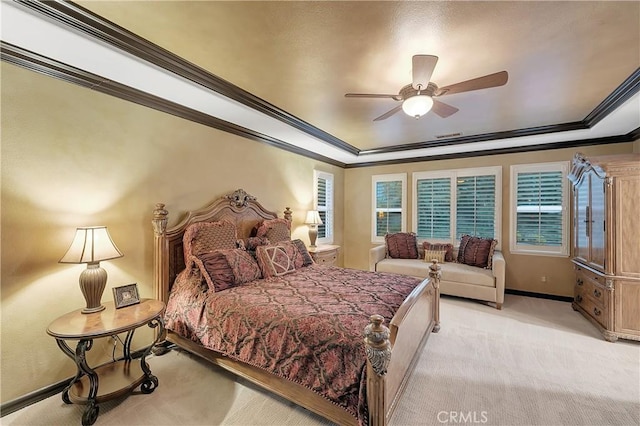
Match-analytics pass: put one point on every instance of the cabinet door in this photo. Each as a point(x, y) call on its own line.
point(597, 222)
point(625, 229)
point(581, 207)
point(627, 311)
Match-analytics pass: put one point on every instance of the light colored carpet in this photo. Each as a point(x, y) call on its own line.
point(536, 362)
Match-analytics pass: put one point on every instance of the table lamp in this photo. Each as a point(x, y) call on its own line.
point(313, 220)
point(91, 245)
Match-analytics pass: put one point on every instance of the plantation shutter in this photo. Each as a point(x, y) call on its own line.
point(476, 206)
point(434, 208)
point(388, 207)
point(539, 208)
point(324, 199)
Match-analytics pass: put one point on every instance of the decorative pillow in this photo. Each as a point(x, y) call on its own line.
point(276, 260)
point(448, 256)
point(302, 258)
point(476, 251)
point(253, 242)
point(223, 269)
point(204, 237)
point(275, 230)
point(439, 255)
point(244, 267)
point(215, 269)
point(402, 245)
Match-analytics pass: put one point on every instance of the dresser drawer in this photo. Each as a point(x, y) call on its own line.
point(592, 296)
point(588, 275)
point(591, 289)
point(593, 309)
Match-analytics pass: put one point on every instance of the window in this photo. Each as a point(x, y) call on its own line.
point(433, 208)
point(323, 203)
point(476, 206)
point(389, 205)
point(539, 209)
point(451, 203)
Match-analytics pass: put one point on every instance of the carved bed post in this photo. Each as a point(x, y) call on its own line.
point(435, 275)
point(160, 262)
point(288, 214)
point(378, 348)
point(160, 268)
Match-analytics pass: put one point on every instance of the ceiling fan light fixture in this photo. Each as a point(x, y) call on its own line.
point(417, 106)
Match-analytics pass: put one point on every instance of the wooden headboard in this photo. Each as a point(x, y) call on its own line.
point(168, 255)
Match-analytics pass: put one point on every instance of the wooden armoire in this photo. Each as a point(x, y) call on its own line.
point(606, 242)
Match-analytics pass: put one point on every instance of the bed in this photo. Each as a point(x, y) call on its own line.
point(339, 361)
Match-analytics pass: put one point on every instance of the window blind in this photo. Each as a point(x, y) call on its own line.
point(322, 206)
point(476, 206)
point(388, 207)
point(539, 209)
point(434, 208)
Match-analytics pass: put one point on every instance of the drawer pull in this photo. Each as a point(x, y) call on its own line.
point(579, 298)
point(597, 293)
point(579, 281)
point(597, 312)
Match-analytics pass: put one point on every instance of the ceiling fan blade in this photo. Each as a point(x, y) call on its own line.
point(372, 95)
point(491, 80)
point(442, 109)
point(388, 113)
point(422, 69)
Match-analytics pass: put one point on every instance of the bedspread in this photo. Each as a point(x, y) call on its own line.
point(306, 326)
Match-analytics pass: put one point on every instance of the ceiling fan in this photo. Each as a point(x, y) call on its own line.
point(418, 97)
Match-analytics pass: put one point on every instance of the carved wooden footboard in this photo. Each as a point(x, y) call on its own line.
point(399, 346)
point(391, 350)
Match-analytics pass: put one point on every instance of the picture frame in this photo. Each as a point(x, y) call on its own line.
point(126, 295)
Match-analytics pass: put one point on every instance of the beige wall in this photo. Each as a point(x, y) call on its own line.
point(636, 146)
point(524, 272)
point(74, 157)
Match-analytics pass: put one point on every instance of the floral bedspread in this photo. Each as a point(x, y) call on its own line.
point(306, 326)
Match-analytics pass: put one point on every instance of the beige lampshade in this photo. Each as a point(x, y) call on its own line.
point(90, 245)
point(313, 218)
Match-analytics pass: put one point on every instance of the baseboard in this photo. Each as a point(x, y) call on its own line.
point(44, 393)
point(539, 295)
point(33, 397)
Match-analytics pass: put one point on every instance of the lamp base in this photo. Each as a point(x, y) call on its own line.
point(93, 310)
point(313, 235)
point(92, 283)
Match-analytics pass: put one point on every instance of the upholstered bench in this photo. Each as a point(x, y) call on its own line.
point(458, 279)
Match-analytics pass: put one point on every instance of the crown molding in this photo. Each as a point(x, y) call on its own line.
point(620, 95)
point(53, 68)
point(634, 135)
point(79, 18)
point(532, 131)
point(510, 150)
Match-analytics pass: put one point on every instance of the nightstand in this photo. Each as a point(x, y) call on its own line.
point(91, 386)
point(324, 255)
